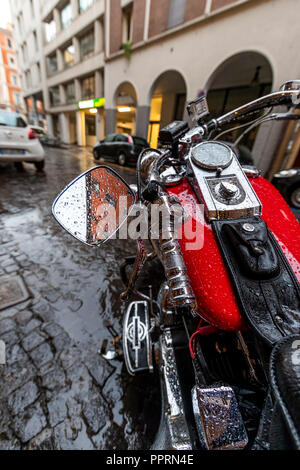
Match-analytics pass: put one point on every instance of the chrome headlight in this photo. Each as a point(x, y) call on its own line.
point(286, 174)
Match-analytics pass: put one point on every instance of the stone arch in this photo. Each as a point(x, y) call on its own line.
point(167, 98)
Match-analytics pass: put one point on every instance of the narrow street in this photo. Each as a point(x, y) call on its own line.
point(56, 391)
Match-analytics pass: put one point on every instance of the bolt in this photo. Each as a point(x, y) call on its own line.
point(248, 228)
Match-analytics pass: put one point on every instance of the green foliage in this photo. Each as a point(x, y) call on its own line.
point(126, 46)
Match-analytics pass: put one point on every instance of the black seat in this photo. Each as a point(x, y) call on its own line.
point(285, 386)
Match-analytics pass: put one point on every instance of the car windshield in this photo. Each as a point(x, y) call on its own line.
point(140, 141)
point(11, 119)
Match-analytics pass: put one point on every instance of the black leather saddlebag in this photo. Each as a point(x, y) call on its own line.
point(266, 288)
point(285, 388)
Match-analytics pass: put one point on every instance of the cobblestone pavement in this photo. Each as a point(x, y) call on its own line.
point(56, 391)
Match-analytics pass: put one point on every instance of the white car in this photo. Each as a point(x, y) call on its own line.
point(18, 141)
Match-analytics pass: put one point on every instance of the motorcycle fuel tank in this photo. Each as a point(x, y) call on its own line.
point(204, 263)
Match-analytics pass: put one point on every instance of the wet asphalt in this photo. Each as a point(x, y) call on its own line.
point(56, 391)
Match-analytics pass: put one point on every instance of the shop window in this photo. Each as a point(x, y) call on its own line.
point(176, 12)
point(90, 124)
point(87, 45)
point(70, 92)
point(85, 5)
point(69, 56)
point(54, 96)
point(52, 64)
point(66, 16)
point(88, 88)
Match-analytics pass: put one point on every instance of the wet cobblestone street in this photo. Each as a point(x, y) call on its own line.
point(56, 391)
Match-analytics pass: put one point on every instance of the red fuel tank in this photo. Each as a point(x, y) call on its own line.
point(205, 266)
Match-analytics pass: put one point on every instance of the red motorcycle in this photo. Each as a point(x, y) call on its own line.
point(223, 330)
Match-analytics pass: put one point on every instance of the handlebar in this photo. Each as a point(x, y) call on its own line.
point(280, 98)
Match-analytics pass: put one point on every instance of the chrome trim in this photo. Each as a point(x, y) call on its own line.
point(174, 409)
point(206, 185)
point(168, 250)
point(137, 331)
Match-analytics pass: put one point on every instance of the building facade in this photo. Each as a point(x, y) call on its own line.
point(131, 65)
point(10, 83)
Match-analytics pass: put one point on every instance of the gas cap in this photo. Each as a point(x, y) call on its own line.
point(228, 190)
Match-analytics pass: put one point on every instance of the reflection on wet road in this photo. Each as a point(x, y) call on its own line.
point(77, 288)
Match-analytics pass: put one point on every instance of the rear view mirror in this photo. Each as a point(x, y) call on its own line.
point(94, 206)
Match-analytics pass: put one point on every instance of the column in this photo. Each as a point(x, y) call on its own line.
point(98, 36)
point(62, 94)
point(79, 130)
point(64, 128)
point(267, 144)
point(78, 93)
point(75, 8)
point(34, 111)
point(56, 17)
point(142, 121)
point(50, 127)
point(99, 118)
point(60, 60)
point(110, 121)
point(76, 45)
point(99, 84)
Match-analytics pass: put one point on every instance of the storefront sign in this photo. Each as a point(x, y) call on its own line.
point(88, 104)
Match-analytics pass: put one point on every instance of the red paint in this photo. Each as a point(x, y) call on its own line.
point(205, 266)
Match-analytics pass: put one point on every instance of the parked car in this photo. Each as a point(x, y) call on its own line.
point(18, 141)
point(46, 139)
point(120, 148)
point(288, 183)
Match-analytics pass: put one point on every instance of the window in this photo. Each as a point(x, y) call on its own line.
point(87, 45)
point(54, 96)
point(88, 88)
point(12, 61)
point(39, 75)
point(50, 31)
point(21, 23)
point(85, 5)
point(14, 80)
point(35, 41)
point(25, 53)
point(90, 125)
point(127, 23)
point(52, 64)
point(66, 16)
point(17, 98)
point(69, 56)
point(31, 8)
point(70, 92)
point(11, 119)
point(176, 12)
point(139, 141)
point(9, 43)
point(121, 138)
point(110, 138)
point(28, 79)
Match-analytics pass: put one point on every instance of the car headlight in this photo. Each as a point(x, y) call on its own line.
point(286, 174)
